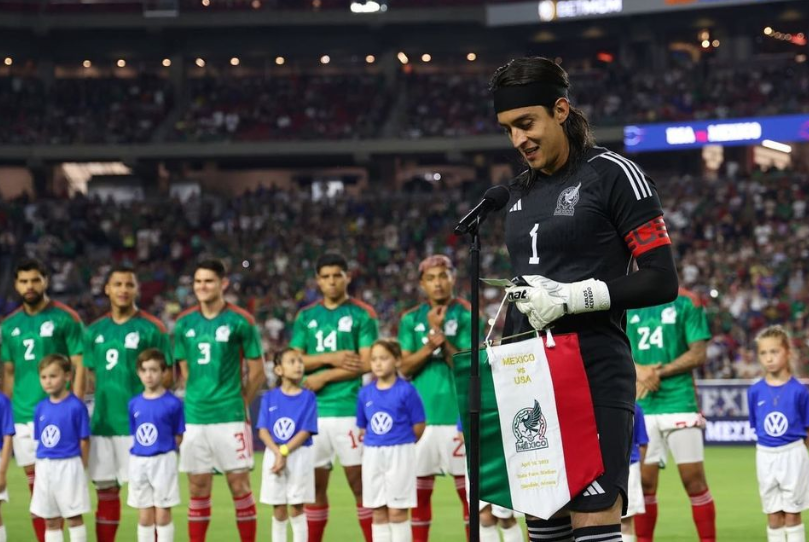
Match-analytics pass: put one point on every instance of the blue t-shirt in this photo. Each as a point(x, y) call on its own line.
point(60, 427)
point(6, 419)
point(154, 423)
point(778, 414)
point(286, 415)
point(388, 416)
point(639, 436)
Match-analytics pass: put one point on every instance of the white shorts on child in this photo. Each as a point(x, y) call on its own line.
point(783, 477)
point(60, 489)
point(153, 481)
point(388, 478)
point(295, 484)
point(635, 501)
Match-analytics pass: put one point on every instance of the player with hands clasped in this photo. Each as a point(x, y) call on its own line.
point(390, 415)
point(779, 413)
point(287, 420)
point(577, 218)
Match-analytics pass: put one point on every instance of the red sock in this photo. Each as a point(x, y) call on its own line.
point(316, 518)
point(422, 515)
point(645, 523)
point(199, 517)
point(704, 512)
point(366, 516)
point(39, 523)
point(246, 517)
point(108, 515)
point(460, 487)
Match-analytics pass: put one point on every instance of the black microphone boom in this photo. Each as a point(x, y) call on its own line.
point(494, 199)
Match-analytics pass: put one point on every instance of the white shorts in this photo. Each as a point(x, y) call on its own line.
point(680, 433)
point(440, 451)
point(337, 437)
point(25, 447)
point(4, 495)
point(216, 447)
point(783, 478)
point(635, 501)
point(60, 489)
point(109, 459)
point(497, 511)
point(153, 481)
point(388, 478)
point(295, 484)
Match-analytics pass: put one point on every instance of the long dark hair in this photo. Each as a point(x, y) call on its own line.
point(537, 69)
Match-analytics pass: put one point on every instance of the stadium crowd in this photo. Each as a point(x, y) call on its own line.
point(743, 245)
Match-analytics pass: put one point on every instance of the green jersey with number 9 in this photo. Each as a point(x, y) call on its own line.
point(111, 352)
point(661, 334)
point(213, 350)
point(318, 330)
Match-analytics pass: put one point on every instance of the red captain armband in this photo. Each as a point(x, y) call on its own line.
point(647, 236)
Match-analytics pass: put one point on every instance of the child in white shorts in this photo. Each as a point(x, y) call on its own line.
point(287, 420)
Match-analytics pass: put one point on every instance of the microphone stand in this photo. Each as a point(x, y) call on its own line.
point(474, 387)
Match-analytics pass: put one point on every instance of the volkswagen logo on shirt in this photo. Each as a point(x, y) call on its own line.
point(381, 423)
point(776, 424)
point(284, 428)
point(50, 436)
point(146, 434)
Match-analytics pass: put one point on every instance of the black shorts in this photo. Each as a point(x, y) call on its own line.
point(615, 432)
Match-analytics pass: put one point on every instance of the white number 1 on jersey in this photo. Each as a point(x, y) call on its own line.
point(534, 259)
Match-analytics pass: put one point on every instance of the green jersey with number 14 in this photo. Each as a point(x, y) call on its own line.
point(213, 350)
point(318, 330)
point(26, 339)
point(661, 334)
point(111, 352)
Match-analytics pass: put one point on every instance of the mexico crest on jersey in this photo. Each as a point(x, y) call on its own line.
point(669, 315)
point(451, 328)
point(132, 340)
point(529, 428)
point(223, 334)
point(345, 324)
point(46, 329)
point(566, 204)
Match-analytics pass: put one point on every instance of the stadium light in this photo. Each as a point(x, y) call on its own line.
point(86, 63)
point(426, 57)
point(776, 146)
point(706, 44)
point(8, 61)
point(121, 63)
point(715, 43)
point(206, 3)
point(768, 31)
point(402, 57)
point(368, 6)
point(800, 59)
point(200, 63)
point(166, 62)
point(280, 60)
point(370, 59)
point(325, 59)
point(234, 61)
point(471, 57)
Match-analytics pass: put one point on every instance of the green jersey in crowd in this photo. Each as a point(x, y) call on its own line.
point(435, 381)
point(111, 351)
point(214, 349)
point(661, 334)
point(26, 339)
point(318, 330)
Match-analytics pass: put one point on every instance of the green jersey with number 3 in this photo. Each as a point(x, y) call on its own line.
point(214, 349)
point(435, 380)
point(318, 330)
point(111, 351)
point(26, 339)
point(661, 334)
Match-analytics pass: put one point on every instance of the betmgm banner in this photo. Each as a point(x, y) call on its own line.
point(724, 405)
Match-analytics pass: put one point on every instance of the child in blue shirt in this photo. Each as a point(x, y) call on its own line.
point(62, 428)
point(391, 419)
point(6, 432)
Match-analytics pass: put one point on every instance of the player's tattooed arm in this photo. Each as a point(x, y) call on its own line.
point(694, 357)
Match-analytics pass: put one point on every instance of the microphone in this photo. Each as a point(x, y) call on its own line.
point(494, 199)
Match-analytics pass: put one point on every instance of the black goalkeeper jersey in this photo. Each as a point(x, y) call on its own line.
point(584, 224)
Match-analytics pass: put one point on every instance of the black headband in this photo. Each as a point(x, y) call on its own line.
point(530, 95)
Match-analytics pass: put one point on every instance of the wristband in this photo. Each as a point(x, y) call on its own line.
point(284, 449)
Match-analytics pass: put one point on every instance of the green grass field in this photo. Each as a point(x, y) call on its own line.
point(731, 475)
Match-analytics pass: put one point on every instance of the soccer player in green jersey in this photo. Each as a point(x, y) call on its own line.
point(210, 342)
point(335, 336)
point(111, 347)
point(668, 342)
point(38, 328)
point(430, 334)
